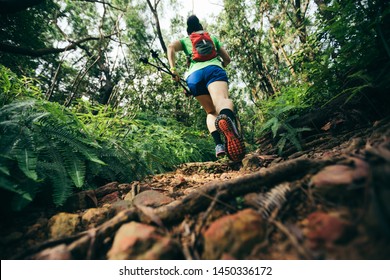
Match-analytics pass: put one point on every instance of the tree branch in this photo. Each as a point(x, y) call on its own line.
point(7, 48)
point(104, 3)
point(159, 33)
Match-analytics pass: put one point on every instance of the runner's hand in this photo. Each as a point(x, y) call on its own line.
point(175, 76)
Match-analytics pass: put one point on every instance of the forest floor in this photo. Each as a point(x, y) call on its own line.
point(329, 201)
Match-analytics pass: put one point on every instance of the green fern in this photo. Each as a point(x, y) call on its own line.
point(280, 127)
point(46, 144)
point(45, 147)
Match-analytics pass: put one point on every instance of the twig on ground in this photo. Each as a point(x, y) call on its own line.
point(301, 250)
point(205, 217)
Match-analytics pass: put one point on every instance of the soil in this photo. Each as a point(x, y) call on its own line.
point(328, 201)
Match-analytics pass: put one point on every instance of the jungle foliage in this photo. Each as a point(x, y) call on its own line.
point(298, 56)
point(46, 147)
point(78, 109)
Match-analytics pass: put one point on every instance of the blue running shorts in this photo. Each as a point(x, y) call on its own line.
point(200, 79)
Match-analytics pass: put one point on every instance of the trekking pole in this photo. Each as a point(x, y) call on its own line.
point(145, 60)
point(155, 56)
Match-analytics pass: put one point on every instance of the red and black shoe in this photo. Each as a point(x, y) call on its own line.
point(235, 147)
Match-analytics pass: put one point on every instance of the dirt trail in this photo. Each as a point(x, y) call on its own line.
point(329, 201)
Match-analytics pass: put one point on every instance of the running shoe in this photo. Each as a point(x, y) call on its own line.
point(235, 147)
point(220, 150)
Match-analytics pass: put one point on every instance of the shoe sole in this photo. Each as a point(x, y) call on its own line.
point(235, 148)
point(221, 154)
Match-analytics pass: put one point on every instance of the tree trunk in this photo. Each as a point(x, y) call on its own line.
point(300, 25)
point(275, 43)
point(157, 21)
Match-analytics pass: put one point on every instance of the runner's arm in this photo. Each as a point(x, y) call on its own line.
point(173, 47)
point(225, 56)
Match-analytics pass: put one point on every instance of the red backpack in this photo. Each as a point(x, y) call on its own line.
point(203, 47)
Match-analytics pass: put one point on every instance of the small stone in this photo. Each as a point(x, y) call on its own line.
point(120, 206)
point(335, 175)
point(110, 198)
point(96, 216)
point(234, 235)
point(323, 229)
point(106, 189)
point(136, 241)
point(63, 224)
point(252, 199)
point(251, 162)
point(151, 199)
point(332, 181)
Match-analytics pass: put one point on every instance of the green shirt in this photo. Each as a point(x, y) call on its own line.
point(187, 47)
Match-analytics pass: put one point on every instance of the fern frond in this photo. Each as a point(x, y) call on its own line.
point(275, 127)
point(21, 201)
point(76, 168)
point(18, 106)
point(24, 152)
point(61, 188)
point(8, 184)
point(56, 173)
point(69, 139)
point(280, 145)
point(27, 160)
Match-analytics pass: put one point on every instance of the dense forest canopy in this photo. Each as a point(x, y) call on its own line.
point(79, 108)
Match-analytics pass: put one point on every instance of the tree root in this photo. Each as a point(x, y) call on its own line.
point(84, 245)
point(195, 202)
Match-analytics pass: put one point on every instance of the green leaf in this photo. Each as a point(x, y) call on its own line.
point(7, 184)
point(21, 201)
point(92, 157)
point(4, 170)
point(275, 128)
point(269, 123)
point(76, 171)
point(27, 161)
point(61, 188)
point(280, 145)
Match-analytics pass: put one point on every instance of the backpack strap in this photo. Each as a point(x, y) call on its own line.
point(187, 53)
point(216, 43)
point(184, 47)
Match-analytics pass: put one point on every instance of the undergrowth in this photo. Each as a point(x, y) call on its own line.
point(47, 148)
point(278, 114)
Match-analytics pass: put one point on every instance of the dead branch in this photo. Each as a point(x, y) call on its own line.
point(205, 217)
